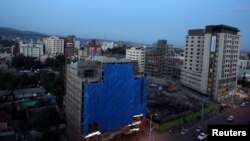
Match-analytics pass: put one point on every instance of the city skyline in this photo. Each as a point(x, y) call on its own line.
point(135, 21)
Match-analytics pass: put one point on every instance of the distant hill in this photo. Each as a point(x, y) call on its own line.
point(11, 32)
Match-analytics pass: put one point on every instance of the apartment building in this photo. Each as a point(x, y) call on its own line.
point(210, 60)
point(31, 50)
point(139, 54)
point(54, 46)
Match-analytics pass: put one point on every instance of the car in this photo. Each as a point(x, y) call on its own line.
point(243, 104)
point(198, 129)
point(230, 118)
point(202, 136)
point(184, 131)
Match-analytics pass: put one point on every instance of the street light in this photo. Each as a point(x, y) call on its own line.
point(233, 93)
point(150, 124)
point(202, 111)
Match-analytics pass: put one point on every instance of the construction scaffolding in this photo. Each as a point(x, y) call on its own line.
point(112, 103)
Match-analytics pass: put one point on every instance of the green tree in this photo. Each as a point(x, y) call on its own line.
point(46, 118)
point(49, 62)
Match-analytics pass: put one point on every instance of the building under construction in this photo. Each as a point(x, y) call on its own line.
point(102, 95)
point(159, 60)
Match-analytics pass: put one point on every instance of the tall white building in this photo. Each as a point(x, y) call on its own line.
point(54, 46)
point(136, 53)
point(210, 64)
point(31, 50)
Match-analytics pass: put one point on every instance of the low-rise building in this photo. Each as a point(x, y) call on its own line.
point(139, 54)
point(107, 45)
point(31, 50)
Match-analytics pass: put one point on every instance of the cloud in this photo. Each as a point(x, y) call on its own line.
point(235, 9)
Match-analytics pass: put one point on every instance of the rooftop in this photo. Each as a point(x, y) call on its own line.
point(104, 59)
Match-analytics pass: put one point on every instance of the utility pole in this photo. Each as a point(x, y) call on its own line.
point(202, 111)
point(150, 124)
point(234, 91)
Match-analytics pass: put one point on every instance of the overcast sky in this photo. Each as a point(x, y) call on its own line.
point(143, 21)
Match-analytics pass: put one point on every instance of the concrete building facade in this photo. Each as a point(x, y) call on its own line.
point(31, 50)
point(139, 54)
point(244, 64)
point(211, 57)
point(157, 60)
point(54, 46)
point(93, 90)
point(107, 45)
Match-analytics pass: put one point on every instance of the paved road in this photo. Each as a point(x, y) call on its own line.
point(242, 116)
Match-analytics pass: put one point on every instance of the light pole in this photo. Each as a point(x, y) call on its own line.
point(150, 124)
point(202, 111)
point(233, 93)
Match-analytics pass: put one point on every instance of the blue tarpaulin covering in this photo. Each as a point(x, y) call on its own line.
point(113, 102)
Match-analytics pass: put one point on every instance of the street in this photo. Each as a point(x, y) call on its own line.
point(242, 116)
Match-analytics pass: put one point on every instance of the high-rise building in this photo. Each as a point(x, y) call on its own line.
point(103, 95)
point(139, 54)
point(210, 64)
point(54, 46)
point(157, 58)
point(70, 50)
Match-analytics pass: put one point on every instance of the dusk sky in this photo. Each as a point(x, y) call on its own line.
point(142, 21)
